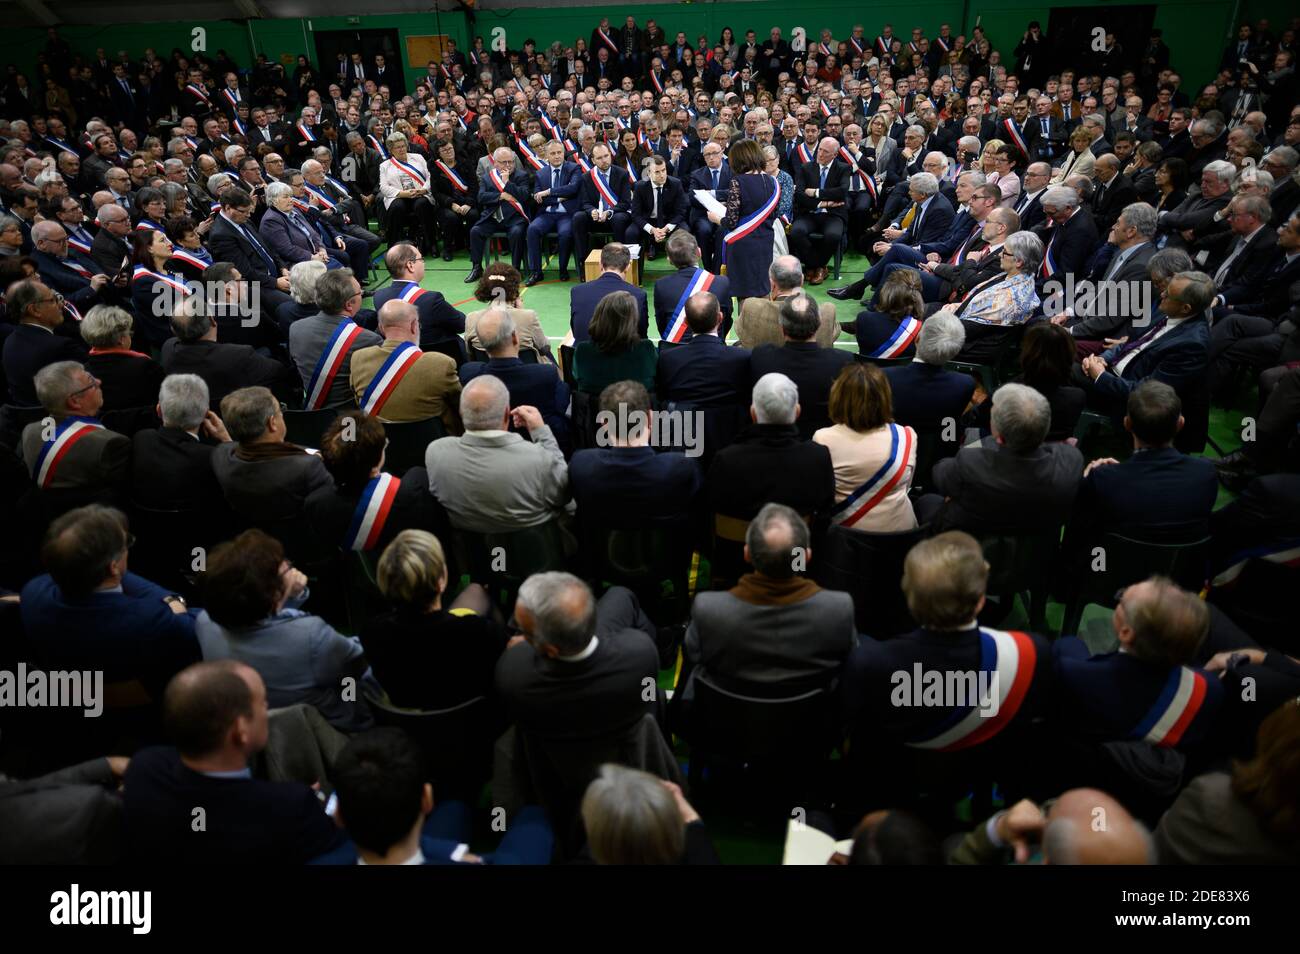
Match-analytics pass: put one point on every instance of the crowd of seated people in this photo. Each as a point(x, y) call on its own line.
point(289, 514)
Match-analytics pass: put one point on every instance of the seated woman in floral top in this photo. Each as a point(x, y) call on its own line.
point(997, 305)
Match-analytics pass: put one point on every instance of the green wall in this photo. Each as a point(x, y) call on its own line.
point(1195, 29)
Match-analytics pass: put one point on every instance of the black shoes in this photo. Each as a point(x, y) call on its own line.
point(564, 274)
point(534, 279)
point(1236, 470)
point(474, 275)
point(845, 293)
point(446, 253)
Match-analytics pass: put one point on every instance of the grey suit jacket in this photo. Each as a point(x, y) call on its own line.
point(1209, 825)
point(496, 482)
point(69, 817)
point(1108, 322)
point(991, 489)
point(308, 338)
point(269, 490)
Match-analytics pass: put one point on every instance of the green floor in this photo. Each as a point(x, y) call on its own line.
point(738, 840)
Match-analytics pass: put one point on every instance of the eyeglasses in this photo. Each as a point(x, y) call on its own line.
point(94, 383)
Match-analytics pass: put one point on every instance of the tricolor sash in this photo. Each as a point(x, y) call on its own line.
point(602, 189)
point(77, 267)
point(411, 293)
point(631, 171)
point(900, 340)
point(148, 224)
point(882, 45)
point(1048, 267)
point(66, 433)
point(495, 178)
point(307, 134)
point(756, 218)
point(463, 124)
point(857, 46)
point(826, 109)
point(446, 73)
point(379, 146)
point(911, 45)
point(457, 182)
point(1284, 552)
point(194, 143)
point(410, 170)
point(142, 272)
point(654, 81)
point(189, 257)
point(865, 179)
point(372, 511)
point(243, 131)
point(390, 374)
point(320, 195)
point(1012, 656)
point(863, 500)
point(604, 38)
point(331, 360)
point(530, 157)
point(700, 281)
point(71, 309)
point(1010, 126)
point(549, 124)
point(198, 92)
point(624, 122)
point(1174, 709)
point(826, 50)
point(581, 160)
point(803, 153)
point(232, 96)
point(60, 144)
point(942, 43)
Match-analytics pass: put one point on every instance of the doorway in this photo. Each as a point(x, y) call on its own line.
point(369, 43)
point(1071, 30)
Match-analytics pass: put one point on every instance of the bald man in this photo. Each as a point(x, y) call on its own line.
point(506, 198)
point(539, 385)
point(111, 250)
point(396, 381)
point(77, 279)
point(1084, 826)
point(820, 197)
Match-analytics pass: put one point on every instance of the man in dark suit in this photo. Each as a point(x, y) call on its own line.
point(77, 279)
point(171, 466)
point(1069, 237)
point(769, 461)
point(820, 202)
point(233, 239)
point(1146, 691)
point(979, 263)
point(929, 217)
point(557, 184)
point(1131, 235)
point(119, 623)
point(439, 321)
point(504, 209)
point(1175, 349)
point(625, 483)
point(1243, 256)
point(1113, 193)
point(34, 342)
point(715, 169)
point(224, 367)
point(682, 158)
point(583, 299)
point(704, 372)
point(1158, 493)
point(927, 396)
point(659, 207)
point(811, 367)
point(110, 249)
point(673, 289)
point(125, 97)
point(264, 478)
point(604, 202)
point(536, 385)
point(1013, 482)
point(390, 76)
point(217, 714)
point(944, 579)
point(1030, 205)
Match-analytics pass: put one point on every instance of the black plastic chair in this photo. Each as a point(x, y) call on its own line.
point(13, 419)
point(306, 428)
point(1020, 565)
point(407, 442)
point(526, 355)
point(582, 420)
point(1129, 561)
point(456, 741)
point(453, 348)
point(869, 567)
point(643, 559)
point(502, 561)
point(930, 449)
point(566, 363)
point(996, 368)
point(171, 545)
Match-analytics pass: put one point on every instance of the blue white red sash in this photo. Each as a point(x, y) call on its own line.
point(331, 360)
point(412, 293)
point(604, 38)
point(826, 109)
point(1177, 705)
point(446, 73)
point(866, 180)
point(826, 50)
point(862, 501)
point(190, 258)
point(1012, 656)
point(243, 130)
point(519, 85)
point(1010, 126)
point(463, 124)
point(201, 94)
point(900, 340)
point(495, 178)
point(457, 182)
point(71, 309)
point(911, 44)
point(232, 96)
point(631, 170)
point(60, 144)
point(530, 157)
point(803, 153)
point(581, 160)
point(77, 267)
point(1285, 552)
point(372, 512)
point(602, 189)
point(624, 122)
point(654, 81)
point(390, 373)
point(148, 224)
point(216, 207)
point(474, 57)
point(379, 146)
point(756, 218)
point(142, 272)
point(66, 433)
point(941, 43)
point(307, 134)
point(1048, 268)
point(700, 281)
point(549, 124)
point(194, 143)
point(857, 46)
point(883, 45)
point(410, 170)
point(320, 195)
point(336, 184)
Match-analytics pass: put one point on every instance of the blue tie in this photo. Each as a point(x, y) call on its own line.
point(270, 262)
point(715, 180)
point(823, 185)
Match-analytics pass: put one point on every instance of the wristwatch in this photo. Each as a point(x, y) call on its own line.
point(175, 598)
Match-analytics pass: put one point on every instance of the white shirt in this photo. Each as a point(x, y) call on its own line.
point(1169, 326)
point(579, 657)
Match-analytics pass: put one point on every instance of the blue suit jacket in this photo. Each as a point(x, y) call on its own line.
point(287, 242)
point(564, 186)
point(129, 635)
point(705, 372)
point(438, 319)
point(874, 328)
point(1161, 489)
point(584, 298)
point(958, 232)
point(67, 282)
point(1179, 358)
point(489, 198)
point(1109, 696)
point(702, 178)
point(669, 289)
point(935, 223)
point(632, 486)
point(620, 184)
point(537, 384)
point(924, 395)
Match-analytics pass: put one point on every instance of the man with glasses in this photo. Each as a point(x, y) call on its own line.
point(322, 345)
point(69, 449)
point(77, 278)
point(37, 341)
point(715, 177)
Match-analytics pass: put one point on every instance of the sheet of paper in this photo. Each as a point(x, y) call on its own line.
point(805, 845)
point(706, 198)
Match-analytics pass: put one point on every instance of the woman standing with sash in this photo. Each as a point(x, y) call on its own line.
point(747, 227)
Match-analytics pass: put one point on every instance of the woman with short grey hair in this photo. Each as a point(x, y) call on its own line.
point(1008, 299)
point(633, 818)
point(129, 379)
point(11, 236)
